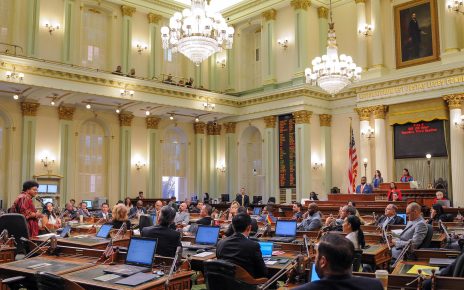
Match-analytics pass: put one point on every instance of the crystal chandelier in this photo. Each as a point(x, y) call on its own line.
point(330, 72)
point(197, 32)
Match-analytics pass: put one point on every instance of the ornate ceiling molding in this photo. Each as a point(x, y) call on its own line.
point(66, 113)
point(125, 119)
point(152, 122)
point(199, 128)
point(29, 108)
point(230, 127)
point(364, 113)
point(302, 117)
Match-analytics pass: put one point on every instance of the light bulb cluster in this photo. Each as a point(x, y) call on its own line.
point(197, 32)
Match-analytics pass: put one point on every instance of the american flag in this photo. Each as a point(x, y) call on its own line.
point(353, 163)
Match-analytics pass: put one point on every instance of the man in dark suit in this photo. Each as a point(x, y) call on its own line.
point(334, 261)
point(137, 210)
point(414, 36)
point(105, 212)
point(168, 239)
point(243, 199)
point(205, 214)
point(390, 217)
point(239, 250)
point(364, 187)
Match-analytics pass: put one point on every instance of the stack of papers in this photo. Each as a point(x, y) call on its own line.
point(426, 270)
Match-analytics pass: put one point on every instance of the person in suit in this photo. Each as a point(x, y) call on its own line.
point(105, 212)
point(334, 258)
point(390, 217)
point(364, 187)
point(137, 210)
point(83, 210)
point(254, 224)
point(172, 202)
point(168, 239)
point(311, 219)
point(415, 230)
point(239, 250)
point(205, 214)
point(243, 199)
point(120, 217)
point(414, 36)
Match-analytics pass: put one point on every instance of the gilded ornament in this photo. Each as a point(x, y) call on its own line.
point(127, 10)
point(269, 14)
point(230, 127)
point(302, 117)
point(213, 128)
point(29, 109)
point(325, 120)
point(300, 4)
point(360, 1)
point(152, 122)
point(270, 121)
point(454, 101)
point(154, 18)
point(323, 12)
point(125, 119)
point(364, 113)
point(199, 128)
point(379, 111)
point(66, 113)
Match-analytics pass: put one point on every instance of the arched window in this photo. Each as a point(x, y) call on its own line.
point(6, 10)
point(174, 164)
point(250, 161)
point(92, 161)
point(95, 35)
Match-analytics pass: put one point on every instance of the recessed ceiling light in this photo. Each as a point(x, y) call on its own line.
point(147, 113)
point(118, 111)
point(197, 120)
point(88, 106)
point(171, 117)
point(15, 97)
point(52, 103)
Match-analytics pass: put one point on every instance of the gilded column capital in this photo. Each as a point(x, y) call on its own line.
point(380, 111)
point(199, 128)
point(360, 1)
point(125, 119)
point(325, 120)
point(213, 128)
point(364, 113)
point(323, 12)
point(270, 121)
point(300, 4)
point(152, 122)
point(66, 113)
point(454, 101)
point(269, 14)
point(29, 109)
point(154, 18)
point(127, 10)
point(230, 127)
point(302, 117)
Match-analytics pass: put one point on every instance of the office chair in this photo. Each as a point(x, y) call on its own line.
point(357, 260)
point(428, 238)
point(459, 268)
point(271, 200)
point(16, 225)
point(145, 221)
point(48, 281)
point(223, 275)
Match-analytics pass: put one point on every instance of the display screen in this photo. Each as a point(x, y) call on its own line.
point(141, 251)
point(207, 235)
point(286, 228)
point(42, 188)
point(415, 140)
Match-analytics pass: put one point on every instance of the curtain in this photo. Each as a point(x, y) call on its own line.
point(419, 169)
point(174, 153)
point(94, 48)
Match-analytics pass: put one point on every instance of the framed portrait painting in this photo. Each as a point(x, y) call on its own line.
point(416, 33)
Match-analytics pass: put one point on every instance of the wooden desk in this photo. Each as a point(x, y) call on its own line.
point(7, 254)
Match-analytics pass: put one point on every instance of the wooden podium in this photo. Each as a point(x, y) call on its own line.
point(399, 185)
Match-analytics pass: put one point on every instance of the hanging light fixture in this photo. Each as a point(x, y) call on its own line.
point(331, 72)
point(197, 32)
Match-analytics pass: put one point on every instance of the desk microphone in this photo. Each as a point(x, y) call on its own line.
point(171, 271)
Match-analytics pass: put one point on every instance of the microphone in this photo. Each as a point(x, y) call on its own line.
point(177, 256)
point(305, 240)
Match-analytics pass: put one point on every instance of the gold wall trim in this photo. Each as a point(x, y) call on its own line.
point(125, 120)
point(213, 128)
point(411, 112)
point(199, 128)
point(300, 4)
point(364, 113)
point(302, 117)
point(325, 120)
point(270, 121)
point(66, 113)
point(152, 122)
point(230, 127)
point(454, 101)
point(29, 108)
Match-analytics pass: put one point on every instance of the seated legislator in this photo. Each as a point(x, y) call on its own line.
point(157, 211)
point(353, 231)
point(168, 239)
point(364, 187)
point(239, 250)
point(205, 214)
point(311, 219)
point(105, 212)
point(415, 230)
point(182, 216)
point(334, 259)
point(137, 210)
point(243, 199)
point(392, 191)
point(120, 217)
point(83, 210)
point(266, 215)
point(69, 211)
point(406, 177)
point(390, 217)
point(335, 224)
point(297, 212)
point(49, 218)
point(378, 179)
point(440, 198)
point(232, 211)
point(437, 214)
point(254, 224)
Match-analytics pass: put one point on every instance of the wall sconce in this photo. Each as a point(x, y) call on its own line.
point(283, 43)
point(366, 30)
point(139, 165)
point(221, 167)
point(254, 172)
point(317, 165)
point(14, 76)
point(429, 159)
point(456, 6)
point(141, 48)
point(47, 162)
point(368, 133)
point(460, 122)
point(221, 63)
point(208, 106)
point(365, 166)
point(51, 28)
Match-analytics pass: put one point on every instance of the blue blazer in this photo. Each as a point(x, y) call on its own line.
point(367, 188)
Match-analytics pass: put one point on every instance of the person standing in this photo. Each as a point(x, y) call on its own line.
point(406, 177)
point(243, 199)
point(378, 179)
point(364, 187)
point(23, 205)
point(414, 36)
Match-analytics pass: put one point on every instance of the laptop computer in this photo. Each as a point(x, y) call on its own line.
point(266, 250)
point(104, 231)
point(256, 211)
point(206, 237)
point(285, 231)
point(403, 215)
point(140, 257)
point(444, 202)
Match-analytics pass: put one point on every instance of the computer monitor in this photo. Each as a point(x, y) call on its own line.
point(266, 249)
point(141, 252)
point(256, 211)
point(225, 197)
point(104, 231)
point(52, 188)
point(285, 228)
point(403, 215)
point(46, 200)
point(313, 274)
point(207, 235)
point(257, 199)
point(88, 203)
point(42, 188)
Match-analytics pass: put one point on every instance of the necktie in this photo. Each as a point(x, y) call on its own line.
point(243, 200)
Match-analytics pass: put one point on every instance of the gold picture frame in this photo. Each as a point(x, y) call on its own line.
point(416, 33)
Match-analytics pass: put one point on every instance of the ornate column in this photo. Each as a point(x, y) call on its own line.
point(271, 159)
point(153, 158)
point(323, 14)
point(231, 85)
point(301, 34)
point(212, 73)
point(450, 25)
point(29, 111)
point(33, 14)
point(380, 132)
point(325, 121)
point(364, 146)
point(268, 46)
point(362, 41)
point(231, 156)
point(457, 149)
point(125, 121)
point(303, 153)
point(200, 158)
point(67, 152)
point(156, 50)
point(377, 47)
point(126, 39)
point(68, 41)
point(213, 130)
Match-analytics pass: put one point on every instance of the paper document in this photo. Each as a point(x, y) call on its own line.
point(204, 254)
point(426, 270)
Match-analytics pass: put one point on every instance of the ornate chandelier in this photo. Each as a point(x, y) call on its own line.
point(197, 32)
point(331, 72)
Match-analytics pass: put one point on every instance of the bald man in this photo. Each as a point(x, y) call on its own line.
point(312, 219)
